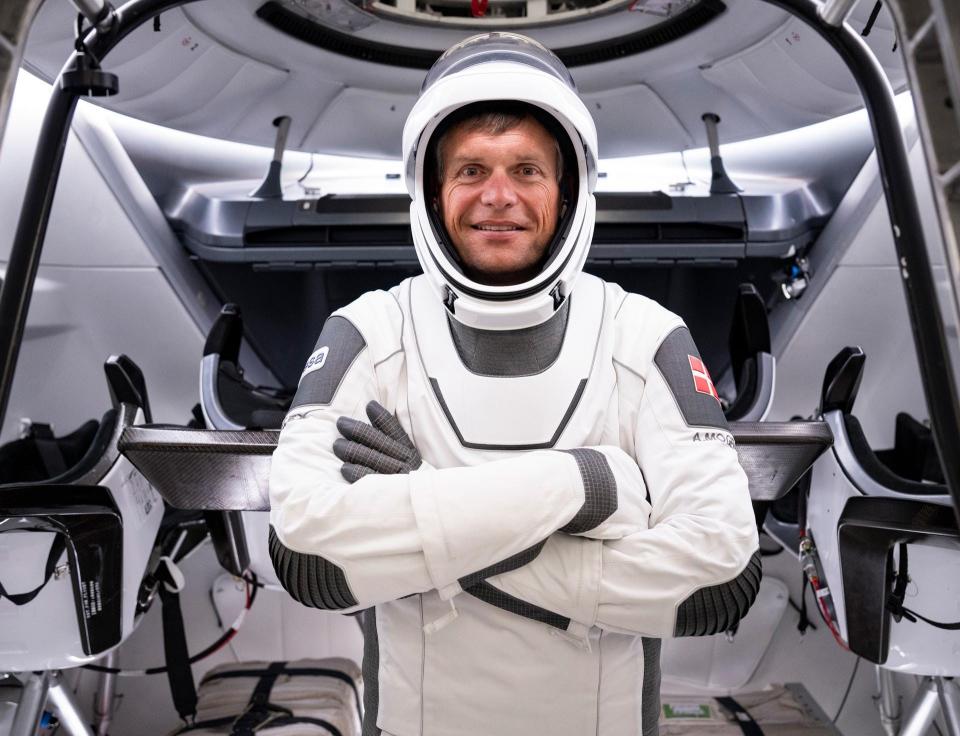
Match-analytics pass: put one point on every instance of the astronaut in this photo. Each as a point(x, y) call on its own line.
point(520, 474)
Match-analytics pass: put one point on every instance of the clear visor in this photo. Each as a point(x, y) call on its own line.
point(497, 46)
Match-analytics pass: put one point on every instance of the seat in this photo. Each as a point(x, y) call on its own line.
point(76, 544)
point(229, 402)
point(858, 511)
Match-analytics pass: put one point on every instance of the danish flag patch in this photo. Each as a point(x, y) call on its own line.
point(701, 377)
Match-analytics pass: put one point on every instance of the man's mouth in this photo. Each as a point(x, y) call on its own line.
point(496, 228)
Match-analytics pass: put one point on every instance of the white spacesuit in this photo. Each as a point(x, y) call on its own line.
point(546, 485)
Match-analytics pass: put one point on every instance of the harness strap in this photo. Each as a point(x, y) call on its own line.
point(896, 598)
point(743, 718)
point(56, 549)
point(48, 448)
point(179, 674)
point(294, 672)
point(259, 708)
point(278, 722)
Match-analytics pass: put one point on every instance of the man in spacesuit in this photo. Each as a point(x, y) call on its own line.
point(503, 460)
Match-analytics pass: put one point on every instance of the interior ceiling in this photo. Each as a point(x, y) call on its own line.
point(218, 69)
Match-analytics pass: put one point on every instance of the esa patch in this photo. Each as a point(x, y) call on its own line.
point(315, 361)
point(338, 346)
point(689, 381)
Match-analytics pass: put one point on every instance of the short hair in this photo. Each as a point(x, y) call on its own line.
point(495, 118)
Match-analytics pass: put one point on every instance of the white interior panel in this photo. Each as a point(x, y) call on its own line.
point(87, 225)
point(788, 78)
point(80, 316)
point(628, 114)
point(303, 97)
point(212, 65)
point(858, 299)
point(689, 96)
point(242, 90)
point(865, 306)
point(163, 53)
point(363, 121)
point(165, 63)
point(230, 86)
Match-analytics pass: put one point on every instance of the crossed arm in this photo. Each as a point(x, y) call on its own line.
point(494, 527)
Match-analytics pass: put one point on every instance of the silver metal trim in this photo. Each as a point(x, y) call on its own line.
point(835, 12)
point(128, 415)
point(68, 712)
point(843, 452)
point(97, 12)
point(26, 720)
point(949, 704)
point(923, 710)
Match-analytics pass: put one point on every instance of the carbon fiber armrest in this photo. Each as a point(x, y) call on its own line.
point(775, 454)
point(212, 470)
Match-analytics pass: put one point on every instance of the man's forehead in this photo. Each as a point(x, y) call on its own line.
point(523, 141)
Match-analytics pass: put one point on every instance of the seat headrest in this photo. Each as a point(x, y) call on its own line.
point(842, 380)
point(126, 384)
point(749, 331)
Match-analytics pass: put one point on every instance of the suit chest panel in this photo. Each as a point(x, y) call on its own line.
point(459, 418)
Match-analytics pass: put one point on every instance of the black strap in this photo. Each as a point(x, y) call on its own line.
point(742, 717)
point(872, 19)
point(804, 623)
point(912, 617)
point(48, 448)
point(260, 713)
point(259, 708)
point(56, 549)
point(179, 674)
point(278, 722)
point(896, 597)
point(293, 672)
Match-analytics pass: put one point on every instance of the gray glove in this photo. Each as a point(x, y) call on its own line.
point(379, 447)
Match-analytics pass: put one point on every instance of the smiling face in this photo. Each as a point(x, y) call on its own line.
point(499, 199)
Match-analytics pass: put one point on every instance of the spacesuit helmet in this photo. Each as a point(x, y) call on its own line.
point(502, 68)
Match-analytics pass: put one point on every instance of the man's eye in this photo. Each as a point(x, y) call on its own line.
point(529, 170)
point(470, 171)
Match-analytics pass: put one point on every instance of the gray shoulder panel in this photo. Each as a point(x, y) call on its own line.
point(599, 491)
point(337, 348)
point(310, 579)
point(720, 607)
point(681, 367)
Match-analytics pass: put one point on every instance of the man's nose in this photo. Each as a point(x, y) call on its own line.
point(498, 190)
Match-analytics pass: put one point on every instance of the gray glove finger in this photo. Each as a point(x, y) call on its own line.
point(353, 473)
point(388, 424)
point(373, 438)
point(359, 454)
